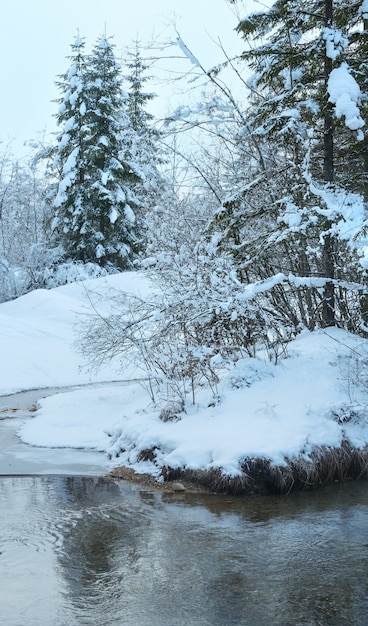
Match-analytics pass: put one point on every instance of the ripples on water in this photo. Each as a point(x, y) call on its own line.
point(87, 551)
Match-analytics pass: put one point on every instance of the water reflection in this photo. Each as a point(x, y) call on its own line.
point(94, 551)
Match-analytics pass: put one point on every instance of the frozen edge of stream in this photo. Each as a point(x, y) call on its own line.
point(26, 400)
point(18, 458)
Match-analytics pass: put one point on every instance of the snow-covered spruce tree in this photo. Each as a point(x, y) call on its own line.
point(145, 146)
point(69, 162)
point(303, 210)
point(95, 204)
point(138, 99)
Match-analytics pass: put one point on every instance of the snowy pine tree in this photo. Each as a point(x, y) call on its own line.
point(145, 146)
point(69, 161)
point(138, 99)
point(95, 204)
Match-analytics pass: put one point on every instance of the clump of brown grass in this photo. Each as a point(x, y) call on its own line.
point(324, 465)
point(149, 454)
point(213, 480)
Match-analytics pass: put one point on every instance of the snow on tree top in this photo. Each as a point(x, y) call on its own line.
point(103, 44)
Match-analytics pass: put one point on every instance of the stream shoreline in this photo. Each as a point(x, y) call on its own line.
point(257, 477)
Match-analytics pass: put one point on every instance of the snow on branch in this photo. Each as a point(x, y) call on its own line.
point(336, 42)
point(345, 210)
point(318, 282)
point(187, 52)
point(261, 286)
point(345, 95)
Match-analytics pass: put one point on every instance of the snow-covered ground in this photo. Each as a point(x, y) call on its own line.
point(269, 411)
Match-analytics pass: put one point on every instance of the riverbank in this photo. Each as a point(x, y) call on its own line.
point(258, 475)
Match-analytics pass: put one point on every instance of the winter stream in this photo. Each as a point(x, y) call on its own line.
point(88, 550)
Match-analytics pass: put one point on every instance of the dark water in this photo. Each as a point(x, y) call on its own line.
point(95, 552)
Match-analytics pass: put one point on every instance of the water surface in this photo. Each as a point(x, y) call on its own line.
point(92, 551)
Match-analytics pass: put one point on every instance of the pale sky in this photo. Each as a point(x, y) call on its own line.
point(35, 38)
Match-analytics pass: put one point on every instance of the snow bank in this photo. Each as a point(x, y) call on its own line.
point(37, 334)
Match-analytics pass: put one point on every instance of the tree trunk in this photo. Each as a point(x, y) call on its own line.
point(328, 256)
point(365, 146)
